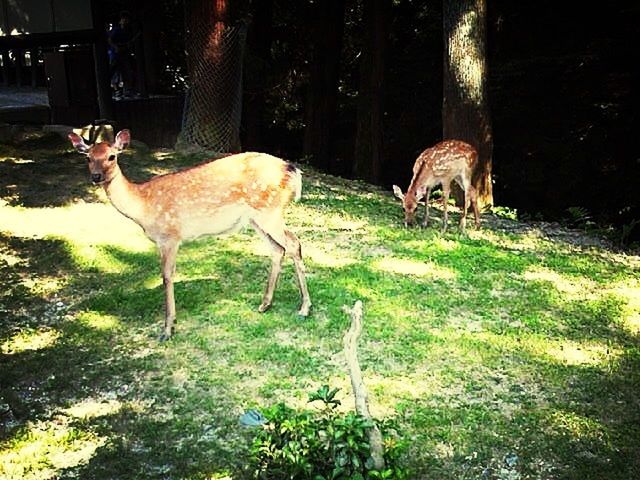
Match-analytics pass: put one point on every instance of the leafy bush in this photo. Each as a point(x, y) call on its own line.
point(578, 217)
point(505, 212)
point(321, 444)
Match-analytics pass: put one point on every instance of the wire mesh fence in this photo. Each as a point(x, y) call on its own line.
point(213, 103)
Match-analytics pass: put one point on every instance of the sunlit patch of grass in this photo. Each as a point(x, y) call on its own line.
point(84, 224)
point(629, 290)
point(45, 284)
point(321, 255)
point(42, 450)
point(410, 267)
point(571, 287)
point(99, 321)
point(91, 408)
point(30, 340)
point(583, 353)
point(578, 427)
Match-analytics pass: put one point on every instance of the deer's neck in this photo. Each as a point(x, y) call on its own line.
point(125, 196)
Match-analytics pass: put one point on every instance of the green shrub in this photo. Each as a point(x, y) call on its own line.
point(321, 444)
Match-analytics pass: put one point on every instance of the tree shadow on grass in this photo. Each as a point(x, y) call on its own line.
point(86, 361)
point(42, 172)
point(22, 262)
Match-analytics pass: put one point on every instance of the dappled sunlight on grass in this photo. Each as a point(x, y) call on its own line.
point(327, 257)
point(99, 321)
point(588, 353)
point(529, 241)
point(404, 266)
point(26, 340)
point(91, 408)
point(583, 353)
point(481, 342)
point(630, 291)
point(44, 284)
point(84, 224)
point(43, 449)
point(444, 244)
point(309, 218)
point(579, 427)
point(572, 287)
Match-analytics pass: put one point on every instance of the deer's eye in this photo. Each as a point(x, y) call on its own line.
point(112, 158)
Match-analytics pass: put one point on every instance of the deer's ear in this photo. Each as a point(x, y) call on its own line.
point(397, 192)
point(123, 138)
point(421, 192)
point(78, 143)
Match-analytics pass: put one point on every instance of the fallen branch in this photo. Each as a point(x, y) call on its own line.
point(359, 390)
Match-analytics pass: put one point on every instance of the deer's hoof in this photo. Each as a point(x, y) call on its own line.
point(304, 310)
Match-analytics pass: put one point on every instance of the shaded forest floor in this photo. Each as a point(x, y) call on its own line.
point(512, 351)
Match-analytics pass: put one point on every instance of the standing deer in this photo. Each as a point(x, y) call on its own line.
point(446, 161)
point(213, 198)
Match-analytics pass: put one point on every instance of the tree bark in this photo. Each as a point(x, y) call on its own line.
point(214, 44)
point(368, 156)
point(465, 106)
point(322, 97)
point(257, 69)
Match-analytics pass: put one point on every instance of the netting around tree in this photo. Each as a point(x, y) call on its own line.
point(213, 104)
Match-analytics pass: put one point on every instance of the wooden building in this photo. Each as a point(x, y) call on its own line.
point(59, 47)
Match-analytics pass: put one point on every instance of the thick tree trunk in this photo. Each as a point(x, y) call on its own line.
point(369, 135)
point(214, 44)
point(151, 19)
point(321, 102)
point(465, 108)
point(257, 67)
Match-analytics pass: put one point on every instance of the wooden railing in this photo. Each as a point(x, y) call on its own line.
point(22, 68)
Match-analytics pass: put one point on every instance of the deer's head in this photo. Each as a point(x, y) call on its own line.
point(409, 203)
point(102, 156)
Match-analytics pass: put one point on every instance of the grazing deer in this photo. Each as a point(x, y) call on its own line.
point(213, 198)
point(446, 161)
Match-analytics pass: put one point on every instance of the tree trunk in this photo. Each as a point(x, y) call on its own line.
point(150, 20)
point(465, 106)
point(369, 135)
point(214, 42)
point(257, 68)
point(322, 97)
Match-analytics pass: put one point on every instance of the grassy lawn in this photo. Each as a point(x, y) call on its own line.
point(511, 352)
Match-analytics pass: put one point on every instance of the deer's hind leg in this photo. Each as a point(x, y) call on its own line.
point(282, 242)
point(294, 249)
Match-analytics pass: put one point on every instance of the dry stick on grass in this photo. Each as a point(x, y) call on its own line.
point(359, 390)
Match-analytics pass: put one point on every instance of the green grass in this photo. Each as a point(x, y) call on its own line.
point(506, 352)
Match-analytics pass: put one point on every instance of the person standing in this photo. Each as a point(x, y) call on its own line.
point(121, 57)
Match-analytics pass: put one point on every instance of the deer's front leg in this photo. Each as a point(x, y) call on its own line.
point(465, 207)
point(446, 189)
point(276, 267)
point(168, 254)
point(425, 220)
point(274, 236)
point(473, 198)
